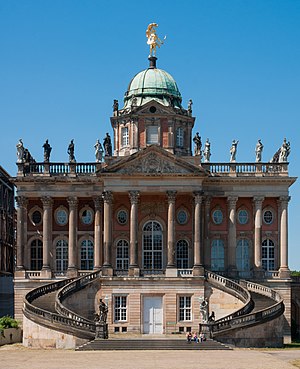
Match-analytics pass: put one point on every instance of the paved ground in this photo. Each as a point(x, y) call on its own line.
point(17, 357)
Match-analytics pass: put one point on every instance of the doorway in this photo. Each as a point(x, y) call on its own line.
point(153, 315)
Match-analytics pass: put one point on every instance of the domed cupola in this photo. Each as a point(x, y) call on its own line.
point(152, 84)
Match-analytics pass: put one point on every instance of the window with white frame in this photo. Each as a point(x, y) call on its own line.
point(152, 245)
point(36, 254)
point(242, 255)
point(179, 137)
point(185, 308)
point(182, 254)
point(125, 136)
point(152, 135)
point(61, 255)
point(120, 308)
point(268, 254)
point(87, 255)
point(122, 255)
point(217, 255)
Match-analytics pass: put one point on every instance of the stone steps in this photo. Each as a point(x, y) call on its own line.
point(46, 302)
point(261, 302)
point(151, 344)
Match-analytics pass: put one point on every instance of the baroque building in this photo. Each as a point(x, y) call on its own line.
point(154, 229)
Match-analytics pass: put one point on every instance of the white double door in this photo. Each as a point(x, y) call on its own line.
point(153, 315)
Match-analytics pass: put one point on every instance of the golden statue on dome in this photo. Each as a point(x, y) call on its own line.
point(153, 40)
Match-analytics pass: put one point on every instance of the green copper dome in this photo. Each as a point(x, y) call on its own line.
point(152, 84)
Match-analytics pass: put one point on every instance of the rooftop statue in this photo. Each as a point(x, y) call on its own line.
point(20, 151)
point(153, 40)
point(98, 151)
point(284, 151)
point(47, 151)
point(189, 109)
point(71, 149)
point(198, 144)
point(107, 145)
point(206, 151)
point(233, 150)
point(258, 151)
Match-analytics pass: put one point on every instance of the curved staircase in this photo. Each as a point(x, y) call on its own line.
point(45, 306)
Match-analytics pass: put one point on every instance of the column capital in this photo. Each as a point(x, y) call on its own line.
point(232, 200)
point(21, 201)
point(171, 196)
point(72, 201)
point(134, 197)
point(97, 202)
point(107, 197)
point(257, 201)
point(207, 200)
point(47, 201)
point(198, 196)
point(283, 200)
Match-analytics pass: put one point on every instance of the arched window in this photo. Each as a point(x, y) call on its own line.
point(152, 245)
point(268, 254)
point(242, 255)
point(217, 255)
point(122, 255)
point(182, 254)
point(87, 255)
point(61, 255)
point(179, 137)
point(36, 254)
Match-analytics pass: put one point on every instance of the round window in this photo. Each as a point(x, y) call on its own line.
point(268, 217)
point(243, 216)
point(152, 109)
point(218, 216)
point(87, 216)
point(122, 216)
point(36, 217)
point(182, 217)
point(61, 217)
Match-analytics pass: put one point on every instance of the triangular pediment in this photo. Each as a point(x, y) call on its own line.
point(154, 160)
point(147, 108)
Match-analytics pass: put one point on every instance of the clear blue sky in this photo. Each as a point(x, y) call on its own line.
point(64, 61)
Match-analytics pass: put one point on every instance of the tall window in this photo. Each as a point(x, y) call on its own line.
point(36, 251)
point(185, 308)
point(268, 254)
point(217, 255)
point(61, 255)
point(242, 255)
point(179, 137)
point(125, 136)
point(120, 308)
point(87, 255)
point(182, 254)
point(152, 245)
point(122, 255)
point(152, 135)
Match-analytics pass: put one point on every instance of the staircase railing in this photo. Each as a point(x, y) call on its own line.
point(239, 318)
point(76, 325)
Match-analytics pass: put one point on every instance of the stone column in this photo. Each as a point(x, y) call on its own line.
point(72, 266)
point(207, 248)
point(47, 235)
point(171, 231)
point(133, 255)
point(198, 264)
point(232, 200)
point(284, 271)
point(107, 234)
point(22, 203)
point(97, 233)
point(257, 201)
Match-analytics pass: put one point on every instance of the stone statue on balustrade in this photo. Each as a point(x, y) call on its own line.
point(284, 151)
point(198, 144)
point(47, 151)
point(204, 309)
point(71, 150)
point(233, 150)
point(206, 151)
point(258, 151)
point(20, 151)
point(107, 145)
point(98, 151)
point(100, 321)
point(190, 107)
